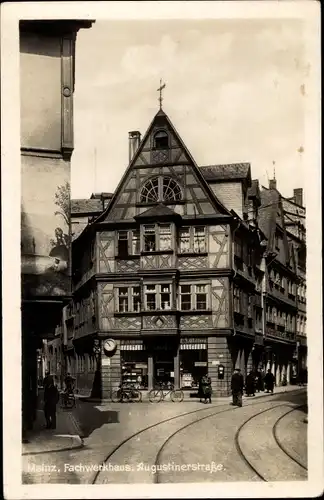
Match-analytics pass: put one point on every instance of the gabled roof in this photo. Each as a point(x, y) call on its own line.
point(237, 171)
point(159, 119)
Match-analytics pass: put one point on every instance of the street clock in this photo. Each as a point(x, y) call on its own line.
point(109, 346)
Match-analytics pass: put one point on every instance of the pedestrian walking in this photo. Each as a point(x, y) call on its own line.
point(51, 398)
point(237, 385)
point(250, 384)
point(269, 381)
point(206, 388)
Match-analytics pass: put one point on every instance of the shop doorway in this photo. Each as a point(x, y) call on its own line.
point(163, 365)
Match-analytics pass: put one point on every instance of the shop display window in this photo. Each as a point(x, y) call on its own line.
point(134, 366)
point(193, 363)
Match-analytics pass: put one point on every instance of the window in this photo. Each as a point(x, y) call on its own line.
point(136, 298)
point(165, 297)
point(158, 297)
point(237, 300)
point(199, 239)
point(122, 243)
point(129, 299)
point(157, 237)
point(185, 297)
point(193, 297)
point(128, 243)
point(135, 237)
point(249, 310)
point(149, 238)
point(150, 298)
point(161, 140)
point(123, 299)
point(160, 189)
point(165, 237)
point(192, 239)
point(238, 248)
point(201, 297)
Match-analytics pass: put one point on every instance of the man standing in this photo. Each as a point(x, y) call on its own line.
point(51, 397)
point(269, 381)
point(237, 385)
point(250, 384)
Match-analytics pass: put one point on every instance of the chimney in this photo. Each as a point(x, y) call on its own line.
point(298, 196)
point(134, 139)
point(272, 184)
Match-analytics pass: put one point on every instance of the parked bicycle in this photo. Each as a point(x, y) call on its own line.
point(157, 395)
point(126, 393)
point(67, 400)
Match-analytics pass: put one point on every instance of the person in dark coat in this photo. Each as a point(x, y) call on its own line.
point(237, 385)
point(269, 381)
point(250, 384)
point(260, 381)
point(51, 397)
point(206, 388)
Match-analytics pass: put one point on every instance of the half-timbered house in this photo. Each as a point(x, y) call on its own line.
point(168, 277)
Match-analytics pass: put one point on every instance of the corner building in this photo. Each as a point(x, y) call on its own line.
point(156, 273)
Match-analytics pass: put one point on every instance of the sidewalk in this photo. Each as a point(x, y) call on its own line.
point(187, 398)
point(66, 436)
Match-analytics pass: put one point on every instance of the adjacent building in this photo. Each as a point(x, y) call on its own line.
point(47, 62)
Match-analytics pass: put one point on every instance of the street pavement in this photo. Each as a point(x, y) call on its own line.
point(207, 443)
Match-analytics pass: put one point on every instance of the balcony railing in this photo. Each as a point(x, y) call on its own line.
point(278, 331)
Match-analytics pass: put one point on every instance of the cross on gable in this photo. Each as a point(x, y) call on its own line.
point(160, 90)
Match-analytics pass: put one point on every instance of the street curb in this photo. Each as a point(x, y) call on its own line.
point(194, 400)
point(78, 445)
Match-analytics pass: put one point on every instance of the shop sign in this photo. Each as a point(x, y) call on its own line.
point(141, 365)
point(105, 362)
point(200, 363)
point(215, 362)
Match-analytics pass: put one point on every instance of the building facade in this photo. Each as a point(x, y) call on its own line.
point(174, 278)
point(47, 61)
point(280, 304)
point(295, 216)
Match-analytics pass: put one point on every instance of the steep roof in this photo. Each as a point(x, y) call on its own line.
point(159, 120)
point(84, 206)
point(238, 171)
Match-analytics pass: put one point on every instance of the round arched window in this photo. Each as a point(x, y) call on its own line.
point(160, 189)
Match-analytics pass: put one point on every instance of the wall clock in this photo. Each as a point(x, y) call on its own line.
point(109, 346)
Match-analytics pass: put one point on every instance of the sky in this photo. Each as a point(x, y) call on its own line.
point(235, 92)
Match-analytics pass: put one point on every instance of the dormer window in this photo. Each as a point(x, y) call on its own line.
point(160, 189)
point(161, 140)
point(157, 237)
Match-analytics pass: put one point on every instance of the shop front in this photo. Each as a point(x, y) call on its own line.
point(134, 363)
point(193, 362)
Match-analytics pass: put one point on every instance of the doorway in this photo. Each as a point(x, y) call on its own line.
point(163, 365)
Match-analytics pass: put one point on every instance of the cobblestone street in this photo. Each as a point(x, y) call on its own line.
point(181, 442)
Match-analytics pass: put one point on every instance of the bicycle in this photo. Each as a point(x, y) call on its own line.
point(157, 395)
point(126, 394)
point(67, 400)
